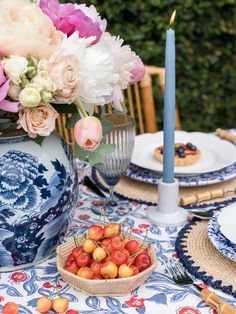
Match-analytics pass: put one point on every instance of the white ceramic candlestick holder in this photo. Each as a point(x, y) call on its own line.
point(167, 213)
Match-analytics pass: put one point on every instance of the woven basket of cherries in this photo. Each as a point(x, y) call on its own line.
point(106, 261)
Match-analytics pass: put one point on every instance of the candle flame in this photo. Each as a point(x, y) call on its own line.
point(172, 19)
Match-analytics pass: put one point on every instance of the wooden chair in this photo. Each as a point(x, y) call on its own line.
point(139, 99)
point(140, 103)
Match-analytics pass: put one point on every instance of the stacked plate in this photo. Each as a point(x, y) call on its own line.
point(217, 162)
point(222, 231)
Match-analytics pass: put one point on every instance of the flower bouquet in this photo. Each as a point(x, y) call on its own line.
point(56, 59)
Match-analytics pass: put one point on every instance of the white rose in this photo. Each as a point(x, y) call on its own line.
point(14, 91)
point(35, 86)
point(44, 80)
point(14, 67)
point(29, 97)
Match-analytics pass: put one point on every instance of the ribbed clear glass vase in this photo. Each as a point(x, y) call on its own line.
point(115, 164)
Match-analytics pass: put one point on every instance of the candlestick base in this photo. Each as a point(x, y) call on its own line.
point(167, 213)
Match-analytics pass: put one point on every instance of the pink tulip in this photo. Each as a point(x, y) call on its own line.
point(138, 73)
point(68, 19)
point(6, 105)
point(88, 133)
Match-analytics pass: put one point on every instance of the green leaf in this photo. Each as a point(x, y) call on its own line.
point(2, 113)
point(73, 119)
point(39, 139)
point(97, 157)
point(107, 126)
point(4, 123)
point(64, 108)
point(81, 153)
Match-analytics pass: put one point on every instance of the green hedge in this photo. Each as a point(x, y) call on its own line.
point(206, 51)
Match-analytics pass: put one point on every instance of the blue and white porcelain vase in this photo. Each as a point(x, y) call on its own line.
point(38, 192)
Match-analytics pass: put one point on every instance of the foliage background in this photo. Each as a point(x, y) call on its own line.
point(205, 52)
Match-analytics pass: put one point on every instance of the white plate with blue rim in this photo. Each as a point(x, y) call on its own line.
point(153, 177)
point(227, 222)
point(216, 153)
point(220, 242)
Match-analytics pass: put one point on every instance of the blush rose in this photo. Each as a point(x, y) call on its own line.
point(38, 121)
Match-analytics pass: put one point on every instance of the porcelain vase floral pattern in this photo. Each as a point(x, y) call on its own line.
point(38, 191)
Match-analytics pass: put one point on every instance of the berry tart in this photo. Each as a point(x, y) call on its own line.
point(185, 154)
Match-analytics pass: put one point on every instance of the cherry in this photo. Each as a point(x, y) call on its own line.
point(83, 260)
point(77, 251)
point(142, 261)
point(72, 267)
point(132, 246)
point(118, 257)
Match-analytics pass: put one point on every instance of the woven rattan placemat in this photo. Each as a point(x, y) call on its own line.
point(147, 192)
point(202, 259)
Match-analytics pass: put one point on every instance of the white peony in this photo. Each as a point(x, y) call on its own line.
point(74, 44)
point(14, 67)
point(97, 75)
point(124, 59)
point(29, 97)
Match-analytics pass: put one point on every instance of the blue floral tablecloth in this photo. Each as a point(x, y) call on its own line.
point(159, 295)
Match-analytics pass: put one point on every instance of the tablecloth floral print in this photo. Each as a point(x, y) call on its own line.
point(158, 295)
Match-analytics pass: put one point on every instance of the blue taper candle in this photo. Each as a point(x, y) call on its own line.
point(169, 105)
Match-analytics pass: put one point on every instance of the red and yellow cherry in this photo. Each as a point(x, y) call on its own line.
point(95, 232)
point(106, 244)
point(97, 277)
point(107, 259)
point(109, 270)
point(11, 308)
point(95, 266)
point(99, 254)
point(77, 251)
point(135, 269)
point(83, 260)
point(118, 257)
point(126, 252)
point(60, 305)
point(85, 272)
point(125, 271)
point(70, 258)
point(89, 246)
point(72, 267)
point(111, 230)
point(44, 304)
point(72, 312)
point(125, 241)
point(116, 243)
point(132, 246)
point(142, 261)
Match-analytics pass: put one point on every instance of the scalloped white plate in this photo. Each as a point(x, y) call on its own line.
point(227, 222)
point(221, 243)
point(216, 153)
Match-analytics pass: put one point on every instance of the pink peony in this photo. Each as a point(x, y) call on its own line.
point(68, 19)
point(138, 73)
point(88, 133)
point(4, 86)
point(38, 121)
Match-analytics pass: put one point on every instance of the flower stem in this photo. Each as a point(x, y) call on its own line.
point(80, 107)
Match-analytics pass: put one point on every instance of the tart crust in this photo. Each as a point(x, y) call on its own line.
point(179, 162)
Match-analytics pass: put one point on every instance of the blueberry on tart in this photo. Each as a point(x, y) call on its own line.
point(185, 154)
